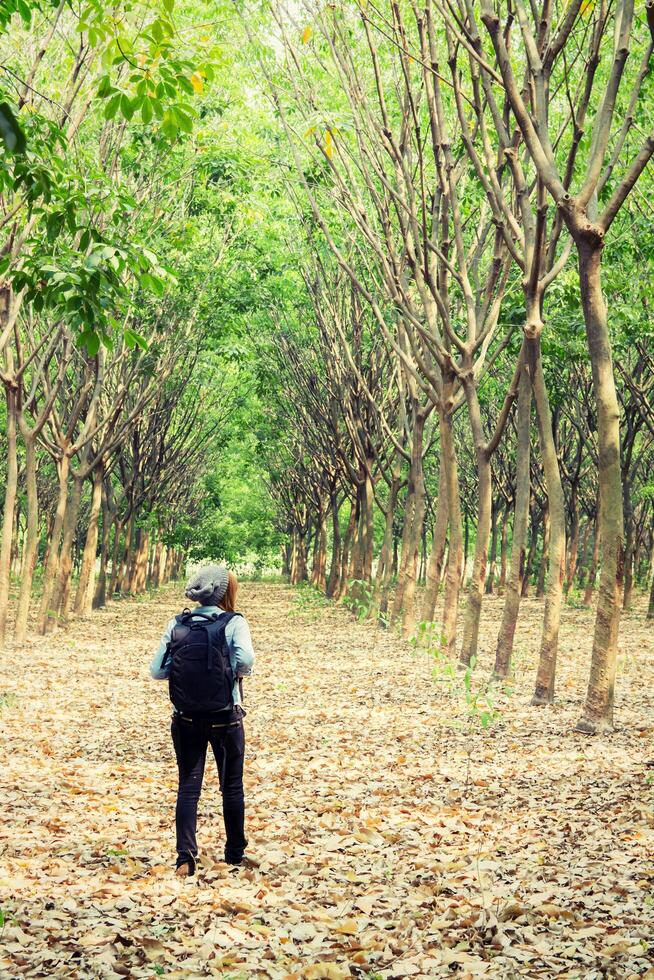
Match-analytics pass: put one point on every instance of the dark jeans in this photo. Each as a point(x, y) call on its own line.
point(190, 739)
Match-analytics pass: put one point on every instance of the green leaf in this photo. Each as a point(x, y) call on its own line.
point(112, 106)
point(91, 341)
point(10, 132)
point(126, 107)
point(105, 88)
point(152, 284)
point(147, 111)
point(133, 339)
point(24, 11)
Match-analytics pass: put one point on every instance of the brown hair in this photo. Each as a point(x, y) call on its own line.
point(228, 601)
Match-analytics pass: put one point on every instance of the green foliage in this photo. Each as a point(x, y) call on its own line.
point(309, 602)
point(360, 599)
point(459, 682)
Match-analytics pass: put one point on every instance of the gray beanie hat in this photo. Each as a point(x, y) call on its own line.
point(208, 585)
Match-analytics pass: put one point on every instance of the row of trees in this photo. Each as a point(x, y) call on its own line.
point(113, 414)
point(451, 160)
point(380, 276)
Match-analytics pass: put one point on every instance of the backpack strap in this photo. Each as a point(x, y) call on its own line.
point(202, 621)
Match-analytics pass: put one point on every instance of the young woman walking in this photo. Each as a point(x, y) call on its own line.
point(203, 655)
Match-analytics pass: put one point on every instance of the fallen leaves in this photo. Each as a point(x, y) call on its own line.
point(393, 838)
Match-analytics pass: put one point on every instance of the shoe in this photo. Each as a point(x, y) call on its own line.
point(185, 866)
point(244, 862)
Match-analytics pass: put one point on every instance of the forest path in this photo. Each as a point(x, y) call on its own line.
point(396, 837)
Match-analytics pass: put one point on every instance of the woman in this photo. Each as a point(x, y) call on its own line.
point(204, 654)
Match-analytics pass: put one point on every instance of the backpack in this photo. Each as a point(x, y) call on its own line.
point(201, 678)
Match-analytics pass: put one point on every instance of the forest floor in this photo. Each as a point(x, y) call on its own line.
point(396, 836)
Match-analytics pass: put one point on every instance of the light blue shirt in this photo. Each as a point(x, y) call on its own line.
point(239, 643)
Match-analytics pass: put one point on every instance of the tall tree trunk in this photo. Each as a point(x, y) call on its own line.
point(545, 555)
point(629, 545)
point(301, 570)
point(455, 550)
point(348, 545)
point(61, 592)
point(318, 570)
point(573, 552)
point(115, 559)
point(549, 644)
point(531, 554)
point(125, 571)
point(598, 710)
point(355, 571)
point(287, 549)
point(100, 597)
point(139, 569)
point(11, 489)
point(592, 572)
point(435, 564)
point(407, 533)
point(335, 567)
point(501, 585)
point(31, 539)
point(46, 607)
point(86, 583)
point(490, 578)
point(155, 575)
point(506, 635)
point(369, 523)
point(477, 581)
point(417, 482)
point(583, 551)
point(385, 567)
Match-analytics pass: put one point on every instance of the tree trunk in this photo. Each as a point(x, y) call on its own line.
point(490, 578)
point(100, 596)
point(592, 572)
point(86, 583)
point(501, 585)
point(318, 569)
point(125, 571)
point(478, 579)
point(385, 566)
point(61, 592)
point(583, 551)
point(301, 574)
point(506, 635)
point(355, 571)
point(417, 483)
point(46, 607)
point(335, 567)
point(435, 564)
point(155, 578)
point(544, 558)
point(454, 558)
point(549, 644)
point(139, 570)
point(531, 554)
point(348, 545)
point(11, 489)
point(407, 532)
point(598, 710)
point(629, 545)
point(31, 539)
point(368, 523)
point(115, 560)
point(573, 553)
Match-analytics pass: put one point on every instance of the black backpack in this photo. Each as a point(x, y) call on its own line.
point(201, 677)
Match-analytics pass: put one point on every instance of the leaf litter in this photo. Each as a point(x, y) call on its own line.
point(396, 837)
